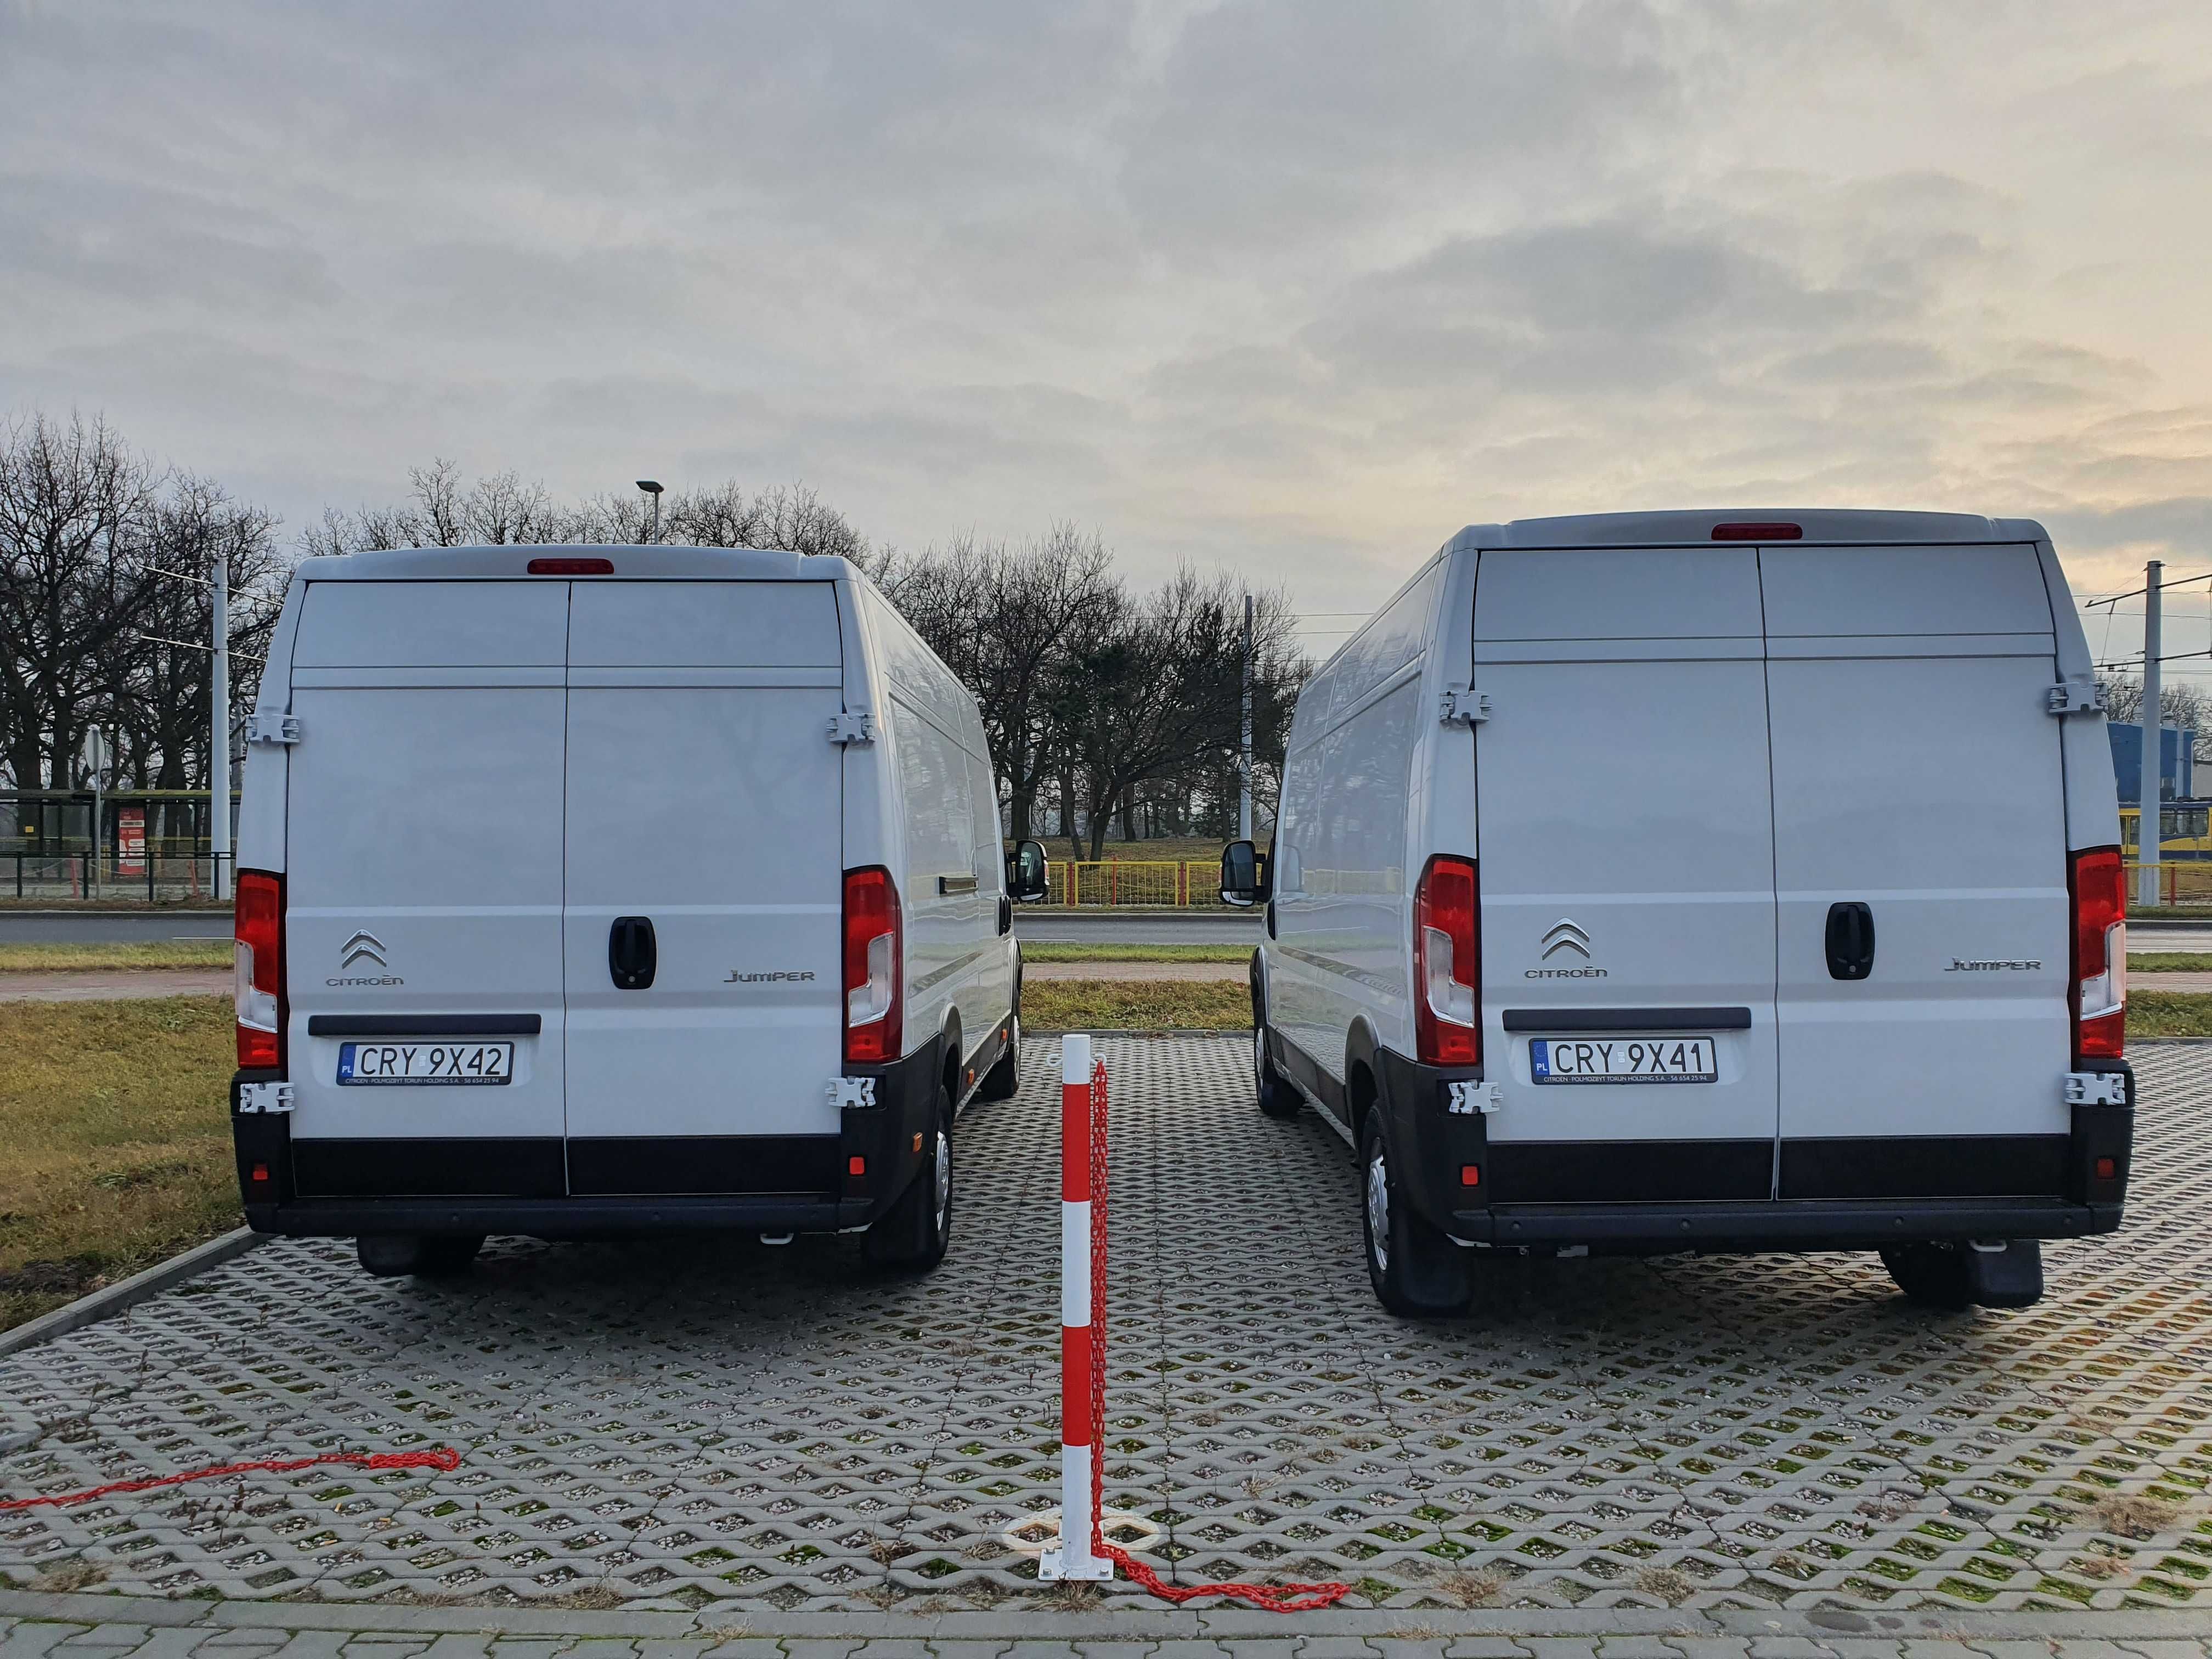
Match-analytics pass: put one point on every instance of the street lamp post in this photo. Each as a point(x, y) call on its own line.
point(652, 489)
point(219, 733)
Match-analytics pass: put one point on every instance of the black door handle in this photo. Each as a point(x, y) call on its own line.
point(1850, 941)
point(632, 954)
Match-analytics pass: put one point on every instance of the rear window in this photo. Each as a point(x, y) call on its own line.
point(703, 625)
point(433, 625)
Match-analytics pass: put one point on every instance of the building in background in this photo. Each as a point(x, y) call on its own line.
point(2176, 780)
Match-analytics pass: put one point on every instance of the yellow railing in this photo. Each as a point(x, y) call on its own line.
point(1173, 883)
point(2180, 881)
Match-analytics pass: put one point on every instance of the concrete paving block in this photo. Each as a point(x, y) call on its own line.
point(33, 1639)
point(758, 1431)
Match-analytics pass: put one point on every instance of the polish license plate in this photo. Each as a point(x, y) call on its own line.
point(1622, 1060)
point(388, 1064)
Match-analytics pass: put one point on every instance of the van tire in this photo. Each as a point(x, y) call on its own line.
point(1417, 1272)
point(425, 1255)
point(911, 1237)
point(1958, 1276)
point(1276, 1096)
point(1003, 1080)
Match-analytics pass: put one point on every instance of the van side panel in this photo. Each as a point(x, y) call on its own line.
point(1917, 770)
point(424, 870)
point(1342, 942)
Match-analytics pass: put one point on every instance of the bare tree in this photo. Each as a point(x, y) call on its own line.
point(75, 505)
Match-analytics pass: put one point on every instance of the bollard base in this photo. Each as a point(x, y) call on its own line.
point(1085, 1568)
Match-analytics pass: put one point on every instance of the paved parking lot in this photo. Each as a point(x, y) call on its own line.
point(735, 1427)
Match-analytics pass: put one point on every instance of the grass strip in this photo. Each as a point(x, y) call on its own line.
point(1108, 1005)
point(116, 1120)
point(96, 958)
point(1048, 952)
point(2160, 1013)
point(2170, 962)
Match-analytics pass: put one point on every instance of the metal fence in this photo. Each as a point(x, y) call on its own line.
point(2180, 881)
point(1165, 883)
point(155, 877)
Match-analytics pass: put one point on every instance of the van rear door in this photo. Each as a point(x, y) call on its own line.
point(424, 881)
point(1917, 773)
point(703, 801)
point(1626, 873)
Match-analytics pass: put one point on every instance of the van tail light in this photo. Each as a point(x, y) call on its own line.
point(1447, 964)
point(874, 995)
point(258, 957)
point(2100, 953)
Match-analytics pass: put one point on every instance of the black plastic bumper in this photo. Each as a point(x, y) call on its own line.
point(605, 1187)
point(1640, 1197)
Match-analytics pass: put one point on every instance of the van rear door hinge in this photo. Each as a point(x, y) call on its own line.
point(846, 1091)
point(852, 728)
point(1468, 1099)
point(1463, 705)
point(2075, 697)
point(264, 1097)
point(271, 728)
point(2096, 1088)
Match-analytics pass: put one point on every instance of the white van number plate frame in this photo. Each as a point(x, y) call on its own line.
point(400, 1065)
point(1654, 1058)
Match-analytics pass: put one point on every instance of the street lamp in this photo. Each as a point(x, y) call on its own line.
point(652, 488)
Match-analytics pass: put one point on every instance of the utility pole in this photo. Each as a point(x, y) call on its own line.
point(2148, 824)
point(1244, 793)
point(95, 754)
point(219, 730)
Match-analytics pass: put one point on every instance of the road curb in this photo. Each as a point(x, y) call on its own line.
point(128, 1293)
point(1131, 1623)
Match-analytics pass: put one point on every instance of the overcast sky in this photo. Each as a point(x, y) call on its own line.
point(1295, 290)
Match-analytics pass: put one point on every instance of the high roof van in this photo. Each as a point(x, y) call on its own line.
point(595, 891)
point(1691, 881)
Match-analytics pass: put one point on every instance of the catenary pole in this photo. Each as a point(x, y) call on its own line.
point(219, 731)
point(2148, 825)
point(1244, 765)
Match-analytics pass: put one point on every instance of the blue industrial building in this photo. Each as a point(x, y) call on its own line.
point(2176, 779)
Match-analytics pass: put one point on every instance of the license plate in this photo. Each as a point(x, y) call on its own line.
point(389, 1064)
point(1622, 1060)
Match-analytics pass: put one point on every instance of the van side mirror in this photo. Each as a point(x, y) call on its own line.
point(1029, 876)
point(1244, 876)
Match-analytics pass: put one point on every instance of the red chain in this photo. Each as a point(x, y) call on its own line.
point(445, 1457)
point(1275, 1598)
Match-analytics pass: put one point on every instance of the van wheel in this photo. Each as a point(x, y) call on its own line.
point(1277, 1098)
point(1956, 1276)
point(1003, 1080)
point(912, 1235)
point(426, 1255)
point(1417, 1272)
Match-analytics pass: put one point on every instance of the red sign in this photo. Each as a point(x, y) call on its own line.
point(130, 840)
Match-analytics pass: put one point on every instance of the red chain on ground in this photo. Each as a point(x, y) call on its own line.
point(445, 1457)
point(1276, 1598)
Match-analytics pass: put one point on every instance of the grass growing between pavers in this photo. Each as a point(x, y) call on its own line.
point(2168, 1013)
point(1107, 1005)
point(96, 958)
point(115, 1124)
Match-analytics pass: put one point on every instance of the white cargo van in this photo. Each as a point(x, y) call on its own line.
point(598, 891)
point(1686, 881)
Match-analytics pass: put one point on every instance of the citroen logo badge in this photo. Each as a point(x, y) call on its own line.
point(362, 946)
point(1565, 934)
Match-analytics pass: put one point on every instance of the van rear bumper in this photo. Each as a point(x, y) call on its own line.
point(1815, 1225)
point(557, 1217)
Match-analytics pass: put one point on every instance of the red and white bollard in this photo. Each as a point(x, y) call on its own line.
point(1077, 1426)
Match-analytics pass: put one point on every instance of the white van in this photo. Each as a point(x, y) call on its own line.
point(1683, 881)
point(596, 892)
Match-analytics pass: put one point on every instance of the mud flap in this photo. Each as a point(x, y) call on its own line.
point(2008, 1278)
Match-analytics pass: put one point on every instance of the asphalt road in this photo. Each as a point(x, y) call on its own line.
point(110, 927)
point(1122, 928)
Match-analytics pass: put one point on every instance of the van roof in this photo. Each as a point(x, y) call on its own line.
point(631, 563)
point(1848, 526)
